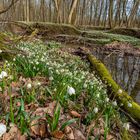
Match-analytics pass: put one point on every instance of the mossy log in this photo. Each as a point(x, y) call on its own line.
point(45, 28)
point(123, 99)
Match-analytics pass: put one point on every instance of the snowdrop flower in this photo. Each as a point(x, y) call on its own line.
point(37, 63)
point(39, 84)
point(29, 86)
point(85, 85)
point(98, 95)
point(14, 59)
point(107, 99)
point(129, 104)
point(0, 51)
point(126, 126)
point(8, 64)
point(120, 91)
point(71, 90)
point(51, 78)
point(3, 74)
point(2, 129)
point(95, 110)
point(114, 103)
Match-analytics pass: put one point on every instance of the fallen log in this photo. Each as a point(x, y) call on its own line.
point(123, 99)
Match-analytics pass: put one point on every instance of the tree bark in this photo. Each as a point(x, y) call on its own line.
point(110, 14)
point(74, 4)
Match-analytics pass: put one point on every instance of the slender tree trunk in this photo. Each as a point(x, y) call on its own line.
point(27, 10)
point(50, 11)
point(91, 12)
point(133, 12)
point(101, 9)
point(110, 14)
point(124, 16)
point(83, 11)
point(105, 13)
point(73, 7)
point(42, 10)
point(117, 15)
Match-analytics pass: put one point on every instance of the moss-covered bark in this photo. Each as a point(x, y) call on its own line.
point(123, 98)
point(7, 46)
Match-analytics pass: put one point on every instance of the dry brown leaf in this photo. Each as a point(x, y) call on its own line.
point(58, 134)
point(90, 127)
point(69, 133)
point(14, 134)
point(42, 80)
point(43, 110)
point(75, 114)
point(110, 137)
point(21, 79)
point(40, 111)
point(78, 135)
point(39, 127)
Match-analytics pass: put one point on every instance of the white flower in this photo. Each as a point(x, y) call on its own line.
point(107, 99)
point(14, 59)
point(37, 62)
point(114, 103)
point(3, 74)
point(71, 90)
point(51, 78)
point(129, 104)
point(2, 129)
point(120, 91)
point(126, 126)
point(95, 110)
point(85, 85)
point(29, 86)
point(0, 51)
point(8, 64)
point(39, 84)
point(98, 95)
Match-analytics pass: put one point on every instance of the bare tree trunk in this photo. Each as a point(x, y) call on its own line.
point(124, 16)
point(96, 7)
point(42, 10)
point(133, 12)
point(105, 13)
point(74, 4)
point(101, 9)
point(83, 11)
point(27, 10)
point(50, 11)
point(110, 14)
point(91, 12)
point(118, 12)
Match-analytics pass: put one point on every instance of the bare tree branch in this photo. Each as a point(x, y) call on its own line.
point(6, 9)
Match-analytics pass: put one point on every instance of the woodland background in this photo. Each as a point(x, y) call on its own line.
point(106, 13)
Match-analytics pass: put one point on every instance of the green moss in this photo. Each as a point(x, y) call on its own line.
point(112, 86)
point(114, 37)
point(126, 135)
point(49, 28)
point(133, 32)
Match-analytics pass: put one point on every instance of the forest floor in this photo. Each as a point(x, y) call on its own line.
point(49, 91)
